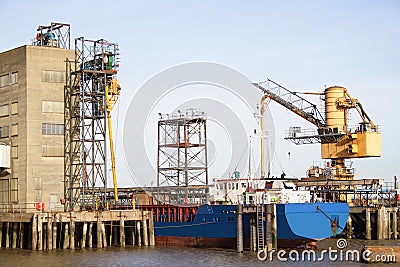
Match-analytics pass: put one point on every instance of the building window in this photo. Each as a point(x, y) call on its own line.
point(52, 107)
point(4, 132)
point(4, 111)
point(14, 108)
point(52, 129)
point(52, 76)
point(14, 152)
point(38, 189)
point(4, 80)
point(14, 129)
point(4, 190)
point(53, 150)
point(14, 190)
point(14, 77)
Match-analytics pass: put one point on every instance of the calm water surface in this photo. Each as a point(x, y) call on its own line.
point(148, 256)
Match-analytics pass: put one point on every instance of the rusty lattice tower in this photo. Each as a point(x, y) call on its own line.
point(182, 149)
point(88, 81)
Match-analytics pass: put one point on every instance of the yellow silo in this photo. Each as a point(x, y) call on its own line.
point(335, 118)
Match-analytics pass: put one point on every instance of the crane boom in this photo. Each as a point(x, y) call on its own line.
point(338, 141)
point(112, 94)
point(292, 101)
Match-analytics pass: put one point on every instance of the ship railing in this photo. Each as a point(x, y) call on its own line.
point(389, 186)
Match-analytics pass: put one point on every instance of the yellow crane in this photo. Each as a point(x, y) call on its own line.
point(112, 93)
point(338, 141)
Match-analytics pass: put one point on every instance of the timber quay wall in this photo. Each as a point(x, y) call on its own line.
point(81, 229)
point(376, 223)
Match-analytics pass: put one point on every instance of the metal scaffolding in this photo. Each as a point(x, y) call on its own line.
point(182, 149)
point(55, 35)
point(359, 192)
point(94, 70)
point(178, 195)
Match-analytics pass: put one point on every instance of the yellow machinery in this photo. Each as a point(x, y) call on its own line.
point(112, 93)
point(364, 141)
point(338, 141)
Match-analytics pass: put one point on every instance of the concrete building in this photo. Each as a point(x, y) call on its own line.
point(32, 81)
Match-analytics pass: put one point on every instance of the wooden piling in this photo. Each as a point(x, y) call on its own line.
point(385, 223)
point(349, 227)
point(111, 241)
point(398, 223)
point(145, 230)
point(84, 232)
point(40, 232)
point(103, 234)
point(69, 230)
point(101, 239)
point(151, 226)
point(395, 225)
point(139, 234)
point(34, 232)
point(274, 228)
point(14, 235)
point(121, 230)
point(389, 225)
point(8, 234)
point(72, 232)
point(367, 224)
point(268, 237)
point(239, 228)
point(380, 224)
point(66, 239)
point(99, 235)
point(55, 233)
point(50, 232)
point(90, 233)
point(21, 235)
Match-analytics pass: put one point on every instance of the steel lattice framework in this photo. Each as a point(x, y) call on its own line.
point(292, 101)
point(182, 149)
point(305, 109)
point(94, 68)
point(60, 33)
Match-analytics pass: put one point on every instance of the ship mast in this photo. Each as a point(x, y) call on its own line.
point(262, 148)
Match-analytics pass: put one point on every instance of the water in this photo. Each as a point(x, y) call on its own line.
point(160, 256)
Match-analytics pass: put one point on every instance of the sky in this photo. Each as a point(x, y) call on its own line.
point(302, 45)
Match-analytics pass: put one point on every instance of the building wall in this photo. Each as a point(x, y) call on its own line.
point(38, 139)
point(12, 93)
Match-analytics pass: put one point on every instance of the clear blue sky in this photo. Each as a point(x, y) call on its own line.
point(304, 45)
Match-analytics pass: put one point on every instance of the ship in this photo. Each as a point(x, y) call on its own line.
point(299, 221)
point(215, 225)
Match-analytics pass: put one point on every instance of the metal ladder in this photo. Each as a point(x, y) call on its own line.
point(260, 228)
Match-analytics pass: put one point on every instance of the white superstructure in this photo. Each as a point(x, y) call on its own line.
point(257, 191)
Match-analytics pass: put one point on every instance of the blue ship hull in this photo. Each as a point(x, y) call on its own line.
point(215, 225)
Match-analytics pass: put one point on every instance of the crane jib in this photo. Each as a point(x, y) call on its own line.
point(293, 102)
